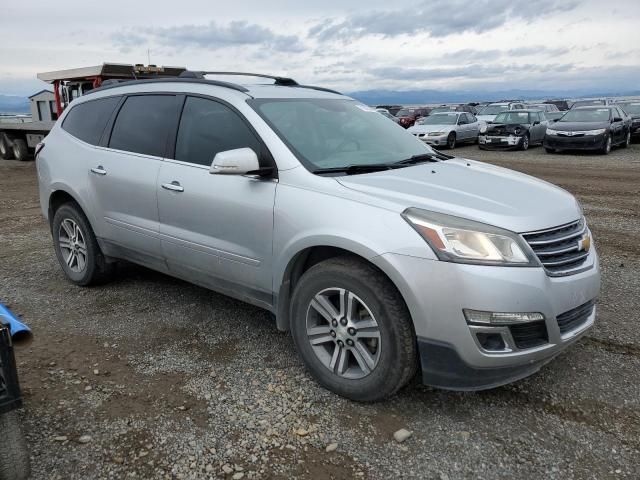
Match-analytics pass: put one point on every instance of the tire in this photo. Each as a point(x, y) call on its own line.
point(606, 149)
point(549, 150)
point(524, 144)
point(14, 461)
point(6, 152)
point(393, 354)
point(88, 265)
point(451, 141)
point(627, 141)
point(20, 150)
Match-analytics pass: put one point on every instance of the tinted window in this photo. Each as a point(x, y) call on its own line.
point(87, 120)
point(209, 127)
point(142, 124)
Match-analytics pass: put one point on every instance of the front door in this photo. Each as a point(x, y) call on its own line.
point(216, 230)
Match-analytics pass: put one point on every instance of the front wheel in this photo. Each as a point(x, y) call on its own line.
point(451, 141)
point(606, 149)
point(549, 150)
point(353, 330)
point(524, 143)
point(14, 460)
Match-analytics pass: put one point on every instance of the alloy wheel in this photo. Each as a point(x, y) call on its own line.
point(607, 147)
point(72, 245)
point(343, 333)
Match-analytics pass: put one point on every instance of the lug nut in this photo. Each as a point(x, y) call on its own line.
point(340, 343)
point(334, 323)
point(352, 331)
point(350, 342)
point(343, 321)
point(333, 333)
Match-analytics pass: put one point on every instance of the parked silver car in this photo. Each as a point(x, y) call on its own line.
point(446, 129)
point(378, 253)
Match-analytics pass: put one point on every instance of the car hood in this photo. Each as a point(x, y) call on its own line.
point(430, 128)
point(472, 190)
point(502, 128)
point(579, 126)
point(486, 118)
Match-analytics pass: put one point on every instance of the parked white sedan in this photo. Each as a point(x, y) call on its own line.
point(446, 129)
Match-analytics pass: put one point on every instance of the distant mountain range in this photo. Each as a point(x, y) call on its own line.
point(12, 104)
point(412, 97)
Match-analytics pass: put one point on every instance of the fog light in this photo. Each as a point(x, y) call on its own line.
point(491, 341)
point(500, 318)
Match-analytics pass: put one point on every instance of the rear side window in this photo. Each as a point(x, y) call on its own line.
point(209, 127)
point(143, 123)
point(88, 120)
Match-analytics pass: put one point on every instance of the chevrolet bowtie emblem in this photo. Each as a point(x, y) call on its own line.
point(584, 243)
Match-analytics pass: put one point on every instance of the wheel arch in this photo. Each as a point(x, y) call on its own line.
point(59, 196)
point(309, 256)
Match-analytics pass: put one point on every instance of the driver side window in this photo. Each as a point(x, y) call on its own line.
point(208, 127)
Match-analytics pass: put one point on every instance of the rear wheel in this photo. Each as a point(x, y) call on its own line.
point(627, 140)
point(451, 141)
point(14, 460)
point(77, 248)
point(20, 150)
point(353, 330)
point(6, 152)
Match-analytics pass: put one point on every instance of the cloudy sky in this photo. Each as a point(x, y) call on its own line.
point(478, 45)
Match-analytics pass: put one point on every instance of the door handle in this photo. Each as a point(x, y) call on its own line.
point(99, 170)
point(173, 186)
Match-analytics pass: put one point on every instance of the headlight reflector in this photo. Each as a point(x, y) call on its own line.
point(455, 239)
point(599, 131)
point(500, 318)
point(551, 131)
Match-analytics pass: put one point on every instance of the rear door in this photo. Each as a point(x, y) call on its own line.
point(123, 177)
point(216, 230)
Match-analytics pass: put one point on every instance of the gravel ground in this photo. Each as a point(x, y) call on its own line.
point(150, 377)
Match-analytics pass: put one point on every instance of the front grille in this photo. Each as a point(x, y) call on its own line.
point(561, 250)
point(529, 335)
point(575, 317)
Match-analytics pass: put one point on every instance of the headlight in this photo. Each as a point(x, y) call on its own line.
point(455, 239)
point(483, 128)
point(599, 131)
point(436, 134)
point(551, 131)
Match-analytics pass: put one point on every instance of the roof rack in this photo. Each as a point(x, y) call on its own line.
point(279, 81)
point(179, 79)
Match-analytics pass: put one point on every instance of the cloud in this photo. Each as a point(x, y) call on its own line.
point(210, 36)
point(438, 18)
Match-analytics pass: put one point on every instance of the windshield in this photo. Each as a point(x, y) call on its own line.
point(512, 117)
point(632, 108)
point(587, 115)
point(405, 112)
point(493, 109)
point(328, 133)
point(439, 119)
point(587, 103)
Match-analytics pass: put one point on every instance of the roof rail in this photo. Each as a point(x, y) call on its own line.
point(180, 79)
point(281, 81)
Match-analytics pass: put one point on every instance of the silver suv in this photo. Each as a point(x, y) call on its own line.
point(379, 254)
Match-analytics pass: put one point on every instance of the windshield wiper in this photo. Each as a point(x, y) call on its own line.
point(355, 169)
point(423, 157)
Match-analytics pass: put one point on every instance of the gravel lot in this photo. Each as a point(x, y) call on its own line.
point(150, 377)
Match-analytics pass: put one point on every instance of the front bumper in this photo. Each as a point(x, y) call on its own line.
point(494, 142)
point(10, 396)
point(437, 292)
point(590, 142)
point(434, 141)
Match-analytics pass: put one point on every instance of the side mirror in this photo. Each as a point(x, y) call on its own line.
point(537, 122)
point(617, 119)
point(235, 162)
